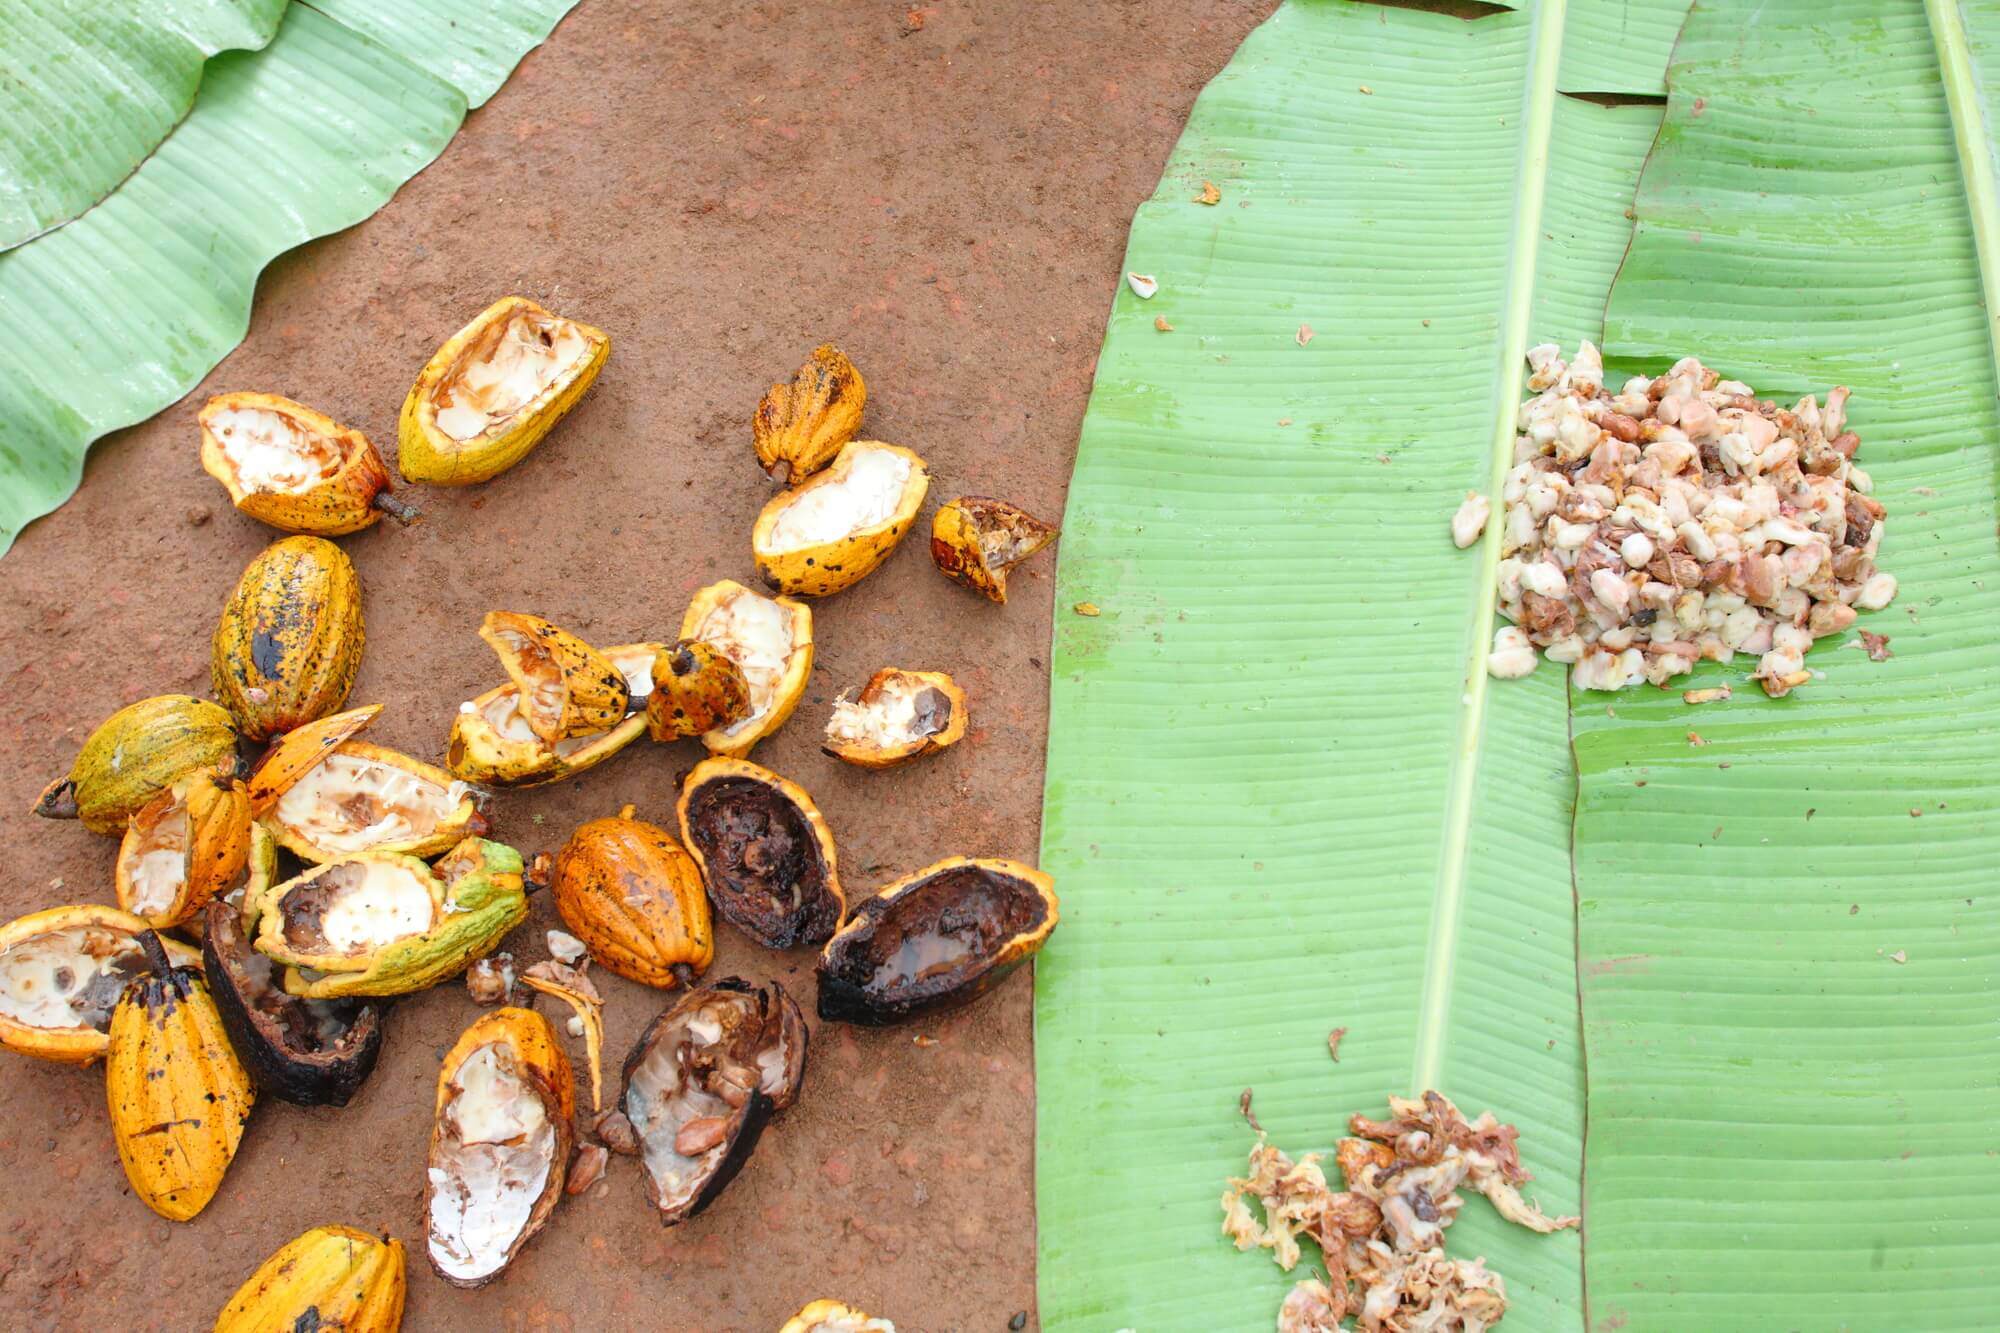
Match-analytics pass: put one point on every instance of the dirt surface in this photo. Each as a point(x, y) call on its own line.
point(944, 190)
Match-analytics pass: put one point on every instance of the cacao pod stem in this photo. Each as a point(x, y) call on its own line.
point(156, 953)
point(405, 514)
point(781, 471)
point(58, 800)
point(685, 974)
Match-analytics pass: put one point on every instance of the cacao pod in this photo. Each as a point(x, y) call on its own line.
point(799, 427)
point(323, 797)
point(975, 540)
point(293, 468)
point(61, 973)
point(696, 689)
point(564, 687)
point(770, 640)
point(494, 389)
point(187, 845)
point(635, 899)
point(332, 1279)
point(179, 1096)
point(500, 1142)
point(379, 923)
point(137, 753)
point(935, 940)
point(493, 745)
point(834, 1317)
point(290, 640)
point(765, 853)
point(830, 533)
point(897, 716)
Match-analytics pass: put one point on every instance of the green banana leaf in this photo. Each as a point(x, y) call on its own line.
point(1282, 798)
point(122, 311)
point(1789, 934)
point(92, 86)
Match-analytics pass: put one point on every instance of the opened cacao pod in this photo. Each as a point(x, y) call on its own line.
point(186, 845)
point(833, 531)
point(293, 468)
point(330, 1280)
point(493, 745)
point(564, 687)
point(500, 1144)
point(494, 390)
point(764, 851)
point(897, 716)
point(770, 640)
point(635, 899)
point(179, 1096)
point(799, 427)
point(696, 688)
point(61, 973)
point(935, 940)
point(834, 1317)
point(137, 753)
point(324, 796)
point(976, 540)
point(379, 923)
point(702, 1081)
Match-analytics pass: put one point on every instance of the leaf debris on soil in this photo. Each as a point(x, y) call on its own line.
point(1209, 194)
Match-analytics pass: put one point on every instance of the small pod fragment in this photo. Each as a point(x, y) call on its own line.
point(179, 1096)
point(897, 716)
point(134, 755)
point(799, 427)
point(324, 796)
point(830, 533)
point(331, 1279)
point(290, 639)
point(376, 923)
point(500, 1144)
point(293, 468)
point(307, 1052)
point(935, 940)
point(61, 973)
point(564, 687)
point(770, 640)
point(702, 1081)
point(834, 1317)
point(494, 390)
point(493, 745)
point(186, 846)
point(975, 540)
point(764, 851)
point(696, 689)
point(635, 899)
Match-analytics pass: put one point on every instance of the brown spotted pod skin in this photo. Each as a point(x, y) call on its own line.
point(567, 688)
point(827, 535)
point(696, 689)
point(296, 469)
point(134, 755)
point(799, 427)
point(976, 540)
point(634, 897)
point(290, 640)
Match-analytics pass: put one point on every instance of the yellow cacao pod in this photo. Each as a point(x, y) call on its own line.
point(975, 540)
point(134, 755)
point(897, 716)
point(492, 744)
point(565, 687)
point(835, 1317)
point(331, 1278)
point(290, 639)
point(61, 973)
point(179, 1096)
point(494, 390)
point(293, 468)
point(770, 639)
point(830, 533)
point(324, 797)
point(696, 689)
point(634, 897)
point(188, 844)
point(799, 427)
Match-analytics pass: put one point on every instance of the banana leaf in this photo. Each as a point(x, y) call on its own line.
point(91, 88)
point(1281, 796)
point(122, 311)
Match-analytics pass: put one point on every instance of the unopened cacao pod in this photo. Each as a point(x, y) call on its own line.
point(134, 755)
point(634, 897)
point(333, 1278)
point(290, 640)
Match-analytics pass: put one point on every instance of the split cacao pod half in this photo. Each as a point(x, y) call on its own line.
point(307, 1052)
point(137, 753)
point(564, 687)
point(799, 427)
point(696, 688)
point(701, 1083)
point(493, 745)
point(833, 531)
point(379, 923)
point(897, 716)
point(976, 540)
point(634, 897)
point(765, 852)
point(500, 1144)
point(324, 796)
point(179, 1096)
point(293, 468)
point(188, 844)
point(332, 1279)
point(770, 639)
point(289, 643)
point(835, 1317)
point(494, 389)
point(61, 973)
point(935, 940)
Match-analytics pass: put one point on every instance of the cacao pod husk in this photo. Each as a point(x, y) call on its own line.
point(189, 843)
point(764, 850)
point(62, 971)
point(564, 687)
point(634, 897)
point(835, 1317)
point(836, 529)
point(770, 640)
point(799, 427)
point(331, 1278)
point(290, 640)
point(137, 753)
point(293, 468)
point(696, 689)
point(492, 744)
point(976, 540)
point(897, 716)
